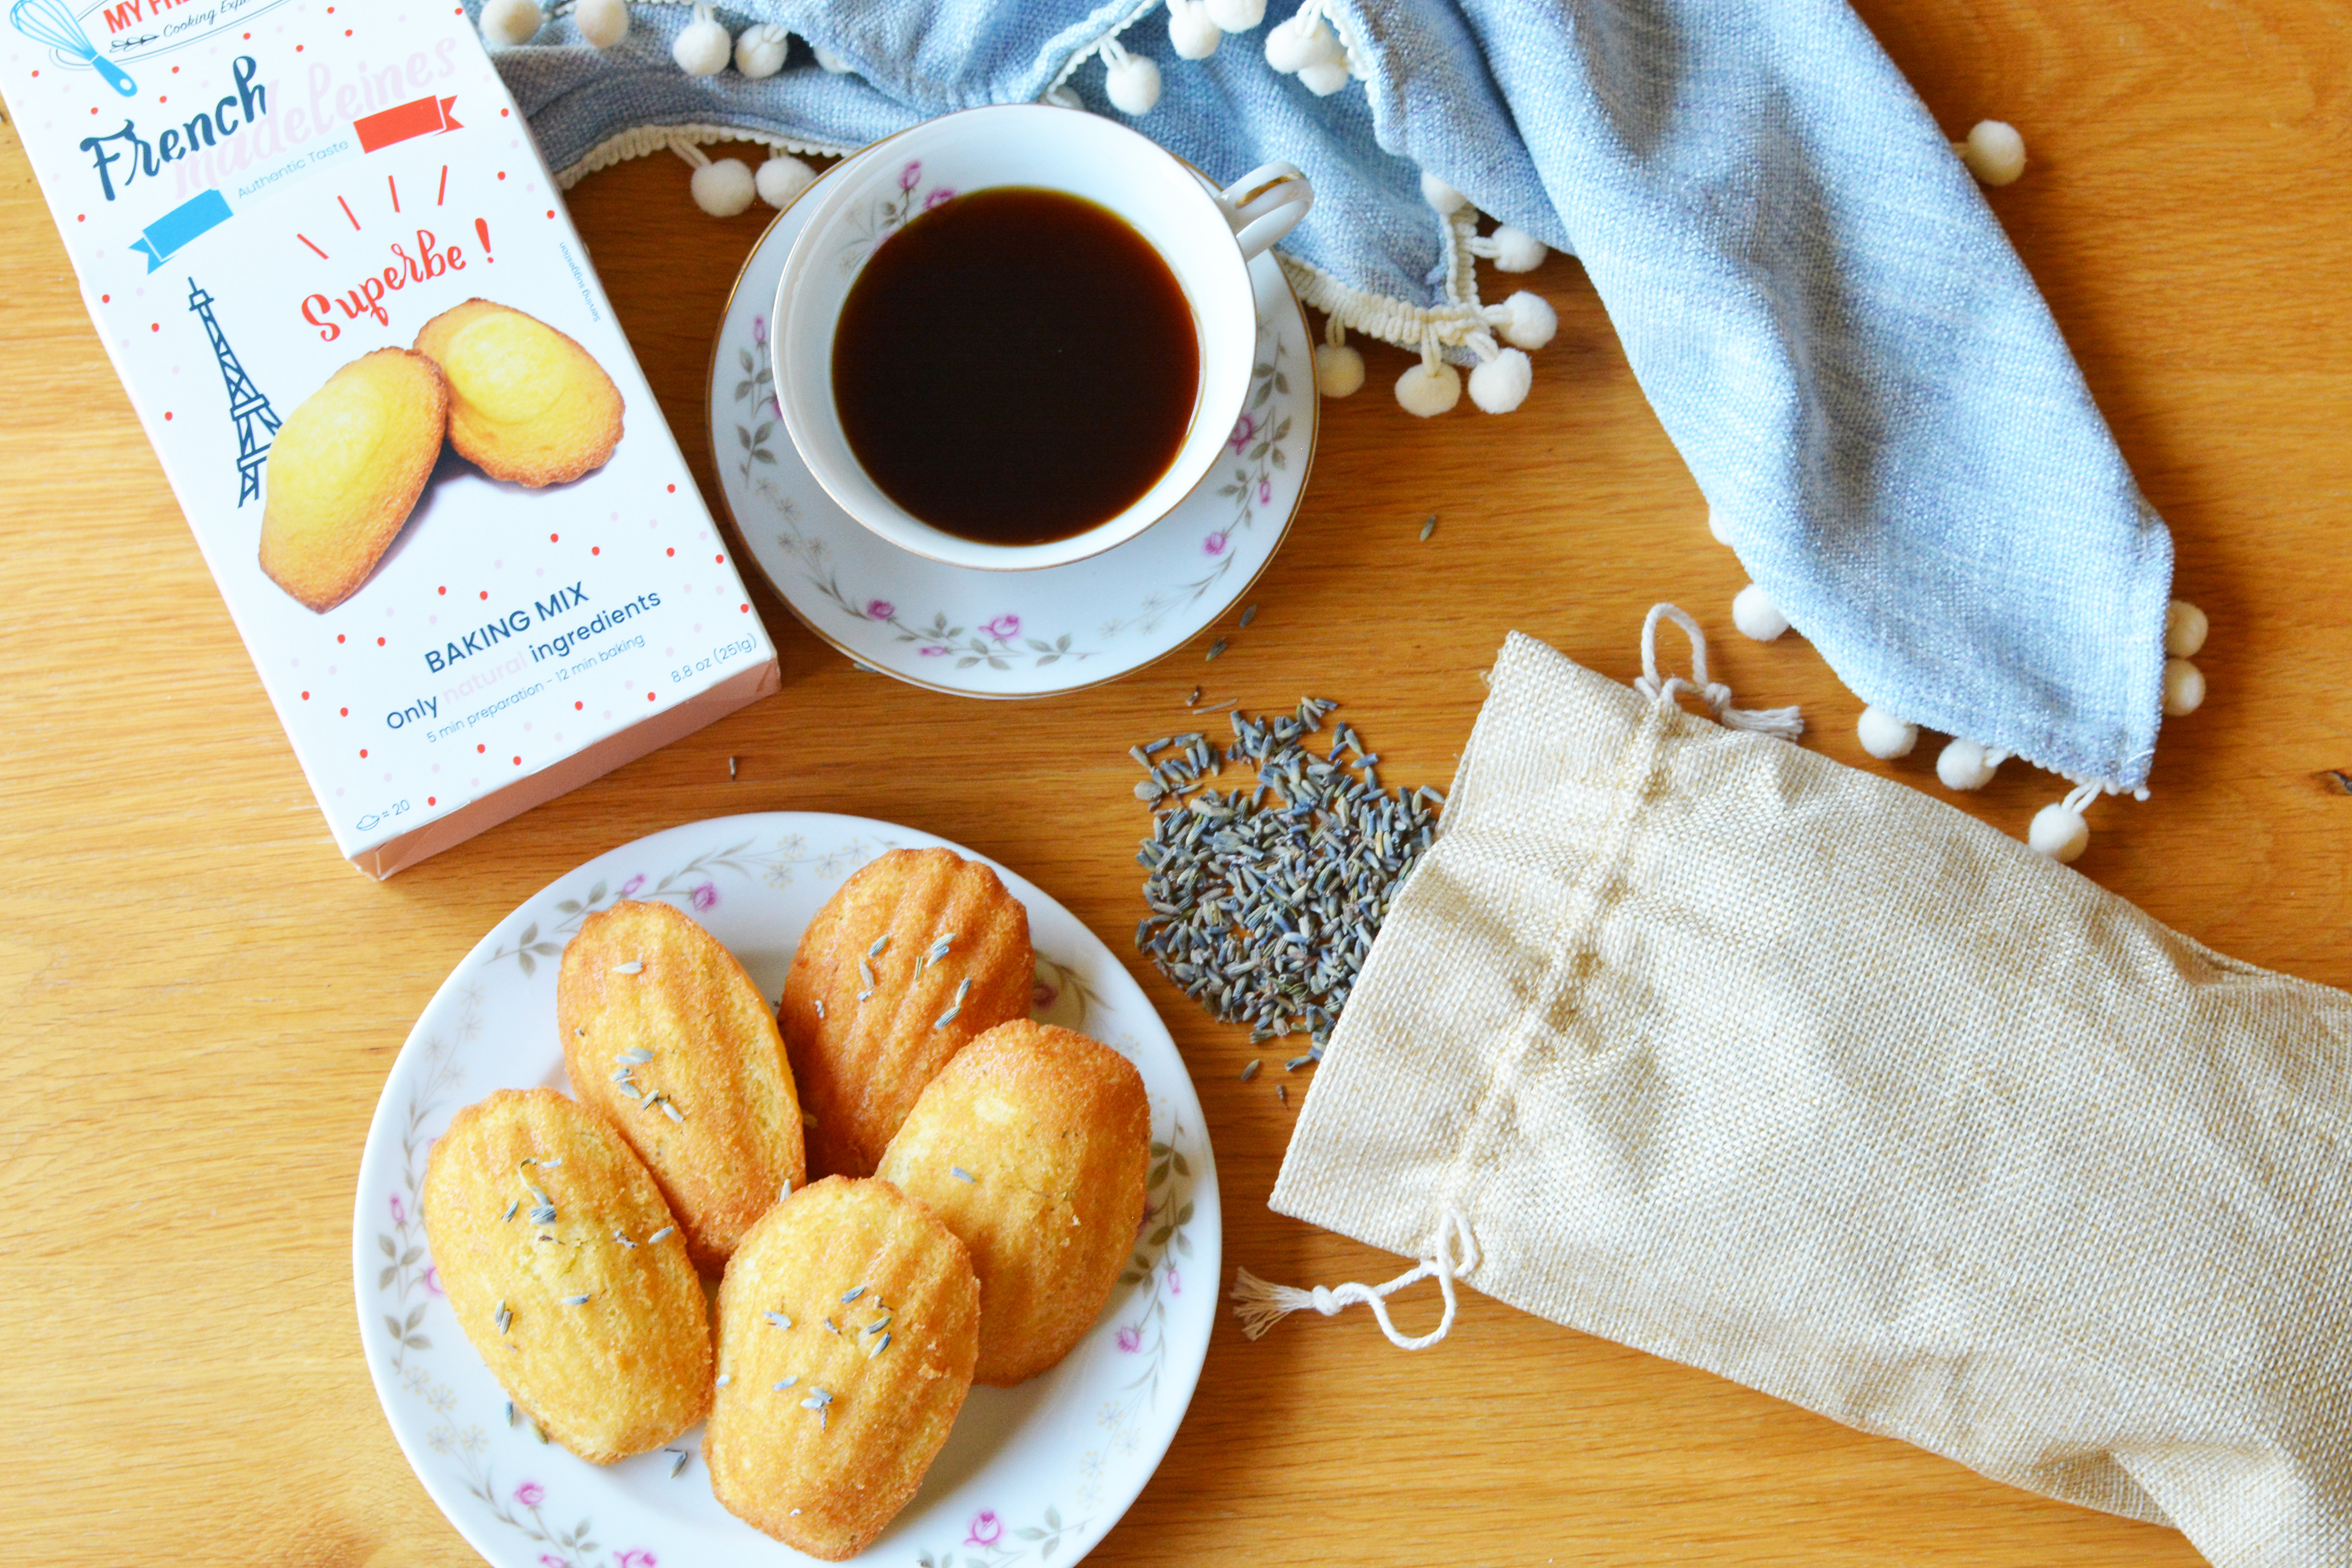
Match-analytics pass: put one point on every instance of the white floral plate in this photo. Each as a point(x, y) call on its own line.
point(1034, 1474)
point(1006, 634)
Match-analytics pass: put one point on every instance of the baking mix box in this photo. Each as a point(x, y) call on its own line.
point(447, 516)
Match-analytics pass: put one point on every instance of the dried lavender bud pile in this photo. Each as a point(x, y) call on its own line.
point(1265, 900)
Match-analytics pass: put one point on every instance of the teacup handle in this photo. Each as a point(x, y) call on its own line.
point(1278, 196)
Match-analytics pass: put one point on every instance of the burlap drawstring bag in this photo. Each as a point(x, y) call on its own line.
point(1689, 1038)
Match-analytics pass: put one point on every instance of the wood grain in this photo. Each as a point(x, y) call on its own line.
point(210, 999)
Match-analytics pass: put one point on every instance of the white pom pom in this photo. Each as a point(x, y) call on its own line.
point(1755, 614)
point(1287, 48)
point(1994, 152)
point(829, 61)
point(1717, 525)
point(1324, 77)
point(2059, 831)
point(1962, 765)
point(1532, 323)
point(724, 188)
point(1064, 96)
point(1236, 16)
point(1132, 85)
point(511, 21)
point(1338, 369)
point(1501, 383)
point(1290, 47)
point(1190, 31)
point(2184, 688)
point(703, 48)
point(1441, 196)
point(2185, 627)
point(760, 50)
point(1429, 389)
point(782, 178)
point(603, 23)
point(1517, 250)
point(1884, 736)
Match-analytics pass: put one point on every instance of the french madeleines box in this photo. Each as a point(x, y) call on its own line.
point(419, 457)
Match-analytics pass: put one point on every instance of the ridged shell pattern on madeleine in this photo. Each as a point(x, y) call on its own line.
point(1033, 1145)
point(847, 1327)
point(666, 1037)
point(566, 1272)
point(919, 953)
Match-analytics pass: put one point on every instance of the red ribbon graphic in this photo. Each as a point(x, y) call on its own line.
point(426, 116)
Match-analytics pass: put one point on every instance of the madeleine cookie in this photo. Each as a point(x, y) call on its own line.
point(848, 1325)
point(526, 402)
point(666, 1038)
point(566, 1271)
point(920, 950)
point(345, 470)
point(1033, 1146)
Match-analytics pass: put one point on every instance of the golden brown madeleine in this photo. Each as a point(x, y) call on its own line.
point(920, 952)
point(566, 1271)
point(526, 402)
point(1033, 1145)
point(345, 470)
point(666, 1038)
point(848, 1326)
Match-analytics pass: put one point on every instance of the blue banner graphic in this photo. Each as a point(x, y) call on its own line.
point(181, 224)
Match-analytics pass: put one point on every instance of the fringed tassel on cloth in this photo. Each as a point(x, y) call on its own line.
point(1453, 1253)
point(1784, 723)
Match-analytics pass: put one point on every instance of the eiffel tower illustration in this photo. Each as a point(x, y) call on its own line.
point(256, 420)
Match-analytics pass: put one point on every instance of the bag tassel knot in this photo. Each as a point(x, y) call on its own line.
point(1453, 1254)
point(1784, 723)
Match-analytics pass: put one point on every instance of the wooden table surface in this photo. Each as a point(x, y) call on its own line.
point(210, 997)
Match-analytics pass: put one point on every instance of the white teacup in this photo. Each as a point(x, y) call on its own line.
point(1206, 236)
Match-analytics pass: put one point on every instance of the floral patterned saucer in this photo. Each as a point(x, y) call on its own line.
point(1006, 634)
point(1034, 1474)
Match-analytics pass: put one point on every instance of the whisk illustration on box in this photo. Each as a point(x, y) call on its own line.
point(53, 23)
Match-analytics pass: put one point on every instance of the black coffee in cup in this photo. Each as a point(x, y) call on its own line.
point(1015, 365)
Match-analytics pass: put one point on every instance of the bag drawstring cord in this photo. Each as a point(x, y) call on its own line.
point(1785, 723)
point(1453, 1253)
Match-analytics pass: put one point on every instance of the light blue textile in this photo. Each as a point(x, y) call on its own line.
point(1829, 321)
